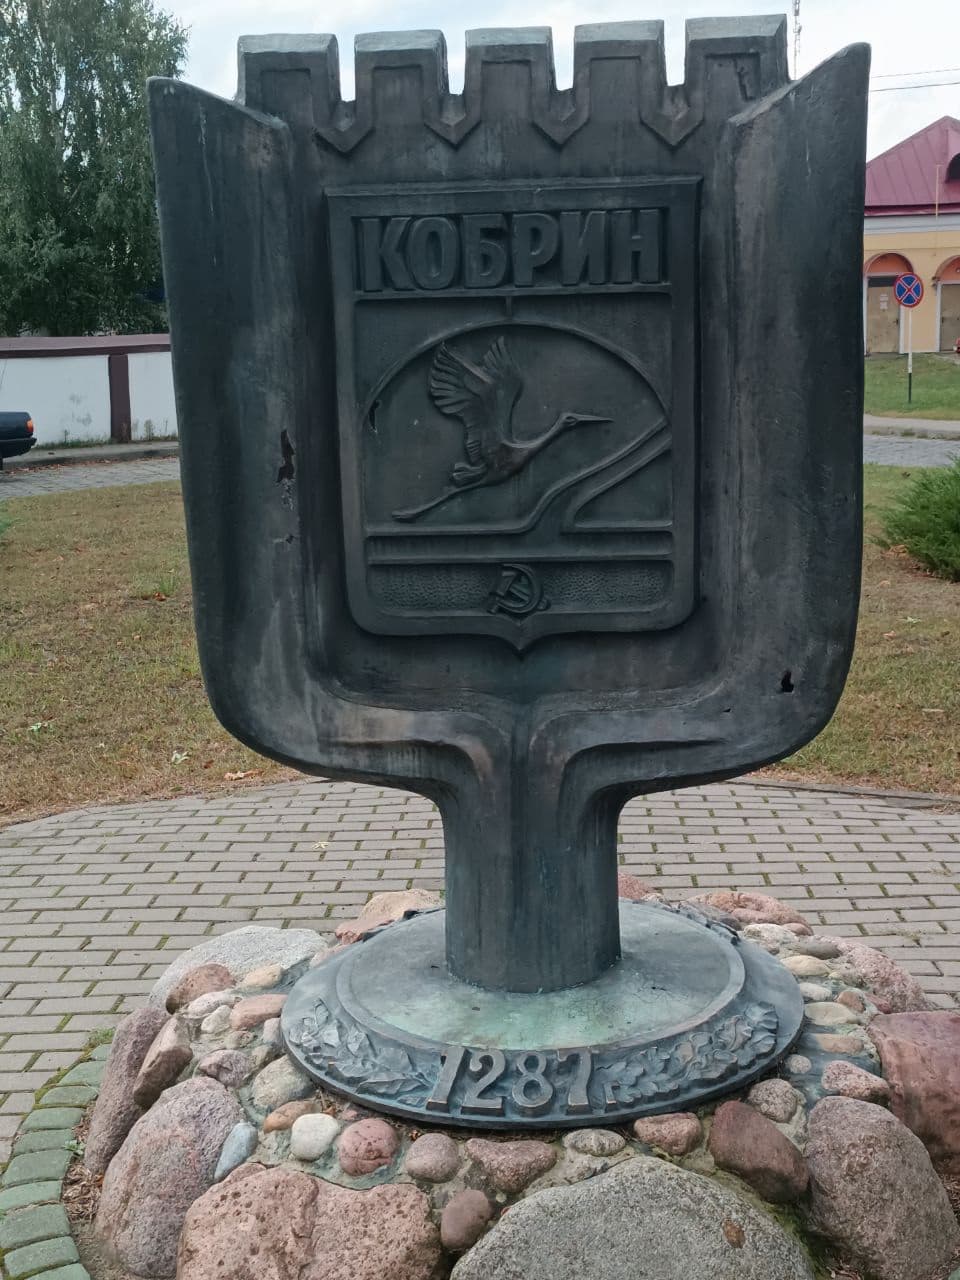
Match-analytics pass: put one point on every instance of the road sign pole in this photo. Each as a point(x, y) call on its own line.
point(910, 355)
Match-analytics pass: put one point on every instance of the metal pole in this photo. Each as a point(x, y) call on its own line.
point(910, 355)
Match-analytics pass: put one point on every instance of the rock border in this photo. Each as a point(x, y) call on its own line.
point(36, 1236)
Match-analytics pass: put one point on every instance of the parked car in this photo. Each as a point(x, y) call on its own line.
point(16, 434)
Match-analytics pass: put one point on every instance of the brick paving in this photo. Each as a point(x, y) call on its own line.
point(22, 483)
point(95, 903)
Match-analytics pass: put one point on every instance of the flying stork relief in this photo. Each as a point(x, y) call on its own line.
point(517, 409)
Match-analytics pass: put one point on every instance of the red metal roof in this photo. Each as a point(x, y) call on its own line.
point(910, 176)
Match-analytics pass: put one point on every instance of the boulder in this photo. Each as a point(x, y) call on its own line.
point(776, 1099)
point(646, 1219)
point(115, 1112)
point(166, 1163)
point(851, 1081)
point(311, 1136)
point(255, 1011)
point(920, 1055)
point(634, 889)
point(746, 1143)
point(166, 1058)
point(752, 908)
point(240, 951)
point(463, 1220)
point(367, 1146)
point(276, 1224)
point(384, 908)
point(883, 978)
point(257, 1223)
point(279, 1082)
point(874, 1193)
point(676, 1133)
point(201, 981)
point(511, 1166)
point(229, 1066)
point(434, 1157)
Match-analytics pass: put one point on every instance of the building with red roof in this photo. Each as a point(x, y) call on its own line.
point(912, 223)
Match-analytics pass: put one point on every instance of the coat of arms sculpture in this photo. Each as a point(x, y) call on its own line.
point(521, 454)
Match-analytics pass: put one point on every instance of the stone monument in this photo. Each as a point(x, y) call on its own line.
point(521, 450)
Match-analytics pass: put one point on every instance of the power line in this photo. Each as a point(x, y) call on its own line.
point(899, 75)
point(899, 88)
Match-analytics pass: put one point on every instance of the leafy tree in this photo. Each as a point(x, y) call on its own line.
point(79, 251)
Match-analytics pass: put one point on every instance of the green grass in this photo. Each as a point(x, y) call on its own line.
point(936, 387)
point(926, 521)
point(101, 697)
point(898, 722)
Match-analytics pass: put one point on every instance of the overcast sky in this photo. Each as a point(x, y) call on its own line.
point(912, 37)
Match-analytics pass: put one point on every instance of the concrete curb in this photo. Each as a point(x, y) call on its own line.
point(35, 1236)
point(907, 799)
point(99, 453)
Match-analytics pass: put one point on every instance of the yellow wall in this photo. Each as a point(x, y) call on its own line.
point(928, 251)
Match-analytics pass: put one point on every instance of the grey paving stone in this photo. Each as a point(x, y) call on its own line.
point(29, 1193)
point(42, 1140)
point(37, 1166)
point(43, 1255)
point(27, 1226)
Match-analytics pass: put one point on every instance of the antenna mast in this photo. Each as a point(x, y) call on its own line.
point(796, 38)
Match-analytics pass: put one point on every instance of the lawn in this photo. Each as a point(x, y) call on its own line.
point(898, 723)
point(936, 387)
point(100, 693)
point(101, 697)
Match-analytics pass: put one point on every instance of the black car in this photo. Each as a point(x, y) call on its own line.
point(16, 434)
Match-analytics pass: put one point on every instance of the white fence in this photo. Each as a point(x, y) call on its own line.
point(90, 389)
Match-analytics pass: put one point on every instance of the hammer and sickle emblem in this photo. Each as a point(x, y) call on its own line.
point(518, 592)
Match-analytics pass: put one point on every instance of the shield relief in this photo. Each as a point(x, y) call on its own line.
point(470, 323)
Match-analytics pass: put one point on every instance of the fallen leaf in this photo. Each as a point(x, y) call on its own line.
point(240, 775)
point(178, 757)
point(889, 635)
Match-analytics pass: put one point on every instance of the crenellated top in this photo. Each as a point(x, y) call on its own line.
point(298, 77)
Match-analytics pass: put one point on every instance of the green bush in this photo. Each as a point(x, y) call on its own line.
point(926, 521)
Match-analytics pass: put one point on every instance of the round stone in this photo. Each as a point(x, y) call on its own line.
point(311, 1136)
point(806, 966)
point(434, 1157)
point(851, 1081)
point(202, 980)
point(366, 1146)
point(279, 1082)
point(464, 1217)
point(676, 1133)
point(814, 991)
point(216, 1022)
point(853, 1000)
point(285, 1115)
point(229, 1066)
point(595, 1142)
point(830, 1014)
point(240, 1145)
point(255, 1010)
point(204, 1005)
point(266, 976)
point(822, 948)
point(797, 1064)
point(511, 1166)
point(775, 1099)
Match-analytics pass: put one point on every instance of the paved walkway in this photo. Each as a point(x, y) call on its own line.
point(95, 903)
point(25, 483)
point(909, 451)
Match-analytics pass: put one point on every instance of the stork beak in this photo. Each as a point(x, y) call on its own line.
point(589, 417)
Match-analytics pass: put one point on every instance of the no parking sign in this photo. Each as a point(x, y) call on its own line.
point(908, 290)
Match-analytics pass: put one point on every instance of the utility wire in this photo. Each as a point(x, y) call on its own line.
point(899, 75)
point(899, 88)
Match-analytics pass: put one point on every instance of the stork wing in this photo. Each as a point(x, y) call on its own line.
point(481, 395)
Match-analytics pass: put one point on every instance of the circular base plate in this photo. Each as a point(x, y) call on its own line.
point(689, 1012)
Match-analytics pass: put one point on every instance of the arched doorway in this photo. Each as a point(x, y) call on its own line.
point(948, 303)
point(881, 314)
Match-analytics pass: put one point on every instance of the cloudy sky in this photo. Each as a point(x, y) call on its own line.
point(908, 38)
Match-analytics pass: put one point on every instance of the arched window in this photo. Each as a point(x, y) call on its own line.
point(953, 169)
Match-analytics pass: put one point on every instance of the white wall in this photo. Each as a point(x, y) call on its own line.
point(152, 409)
point(68, 397)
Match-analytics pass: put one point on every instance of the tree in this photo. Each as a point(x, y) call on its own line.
point(79, 251)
